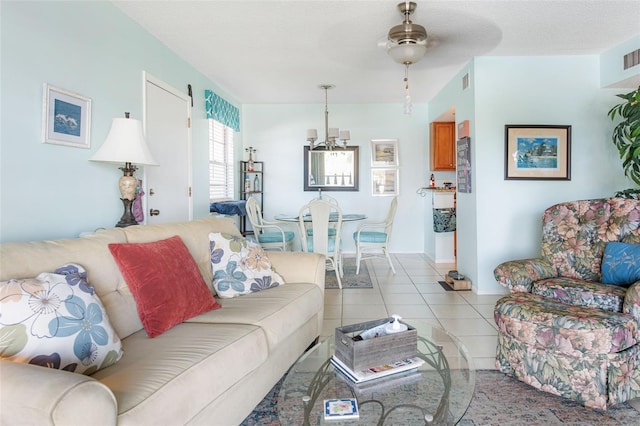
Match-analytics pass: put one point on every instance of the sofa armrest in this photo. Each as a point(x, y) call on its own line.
point(299, 267)
point(519, 275)
point(631, 304)
point(33, 394)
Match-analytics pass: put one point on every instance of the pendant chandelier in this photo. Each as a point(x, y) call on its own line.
point(332, 135)
point(407, 44)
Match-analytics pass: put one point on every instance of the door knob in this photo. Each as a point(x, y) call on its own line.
point(154, 212)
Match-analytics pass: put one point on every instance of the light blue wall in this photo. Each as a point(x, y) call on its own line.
point(612, 71)
point(278, 132)
point(529, 90)
point(463, 100)
point(93, 49)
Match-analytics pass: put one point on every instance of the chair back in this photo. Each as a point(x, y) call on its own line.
point(255, 215)
point(388, 223)
point(326, 198)
point(321, 211)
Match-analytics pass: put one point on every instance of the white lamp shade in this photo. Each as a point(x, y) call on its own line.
point(407, 53)
point(312, 134)
point(345, 135)
point(125, 144)
point(333, 132)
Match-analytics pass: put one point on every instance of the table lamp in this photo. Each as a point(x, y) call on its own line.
point(126, 144)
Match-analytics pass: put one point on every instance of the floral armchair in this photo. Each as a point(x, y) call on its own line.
point(570, 325)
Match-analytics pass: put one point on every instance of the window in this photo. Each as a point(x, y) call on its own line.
point(220, 161)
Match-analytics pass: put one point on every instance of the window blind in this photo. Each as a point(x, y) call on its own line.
point(221, 172)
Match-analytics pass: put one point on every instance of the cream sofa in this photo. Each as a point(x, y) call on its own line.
point(212, 369)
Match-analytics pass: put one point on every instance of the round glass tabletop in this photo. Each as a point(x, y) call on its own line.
point(333, 217)
point(437, 393)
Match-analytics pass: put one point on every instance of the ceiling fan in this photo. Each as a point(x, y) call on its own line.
point(406, 44)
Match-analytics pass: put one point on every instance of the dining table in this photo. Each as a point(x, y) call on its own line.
point(333, 217)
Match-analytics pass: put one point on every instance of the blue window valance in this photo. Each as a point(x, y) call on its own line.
point(221, 110)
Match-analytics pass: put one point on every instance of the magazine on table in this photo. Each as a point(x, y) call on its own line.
point(383, 384)
point(377, 371)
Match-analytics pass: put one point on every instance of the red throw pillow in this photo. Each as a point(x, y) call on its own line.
point(165, 282)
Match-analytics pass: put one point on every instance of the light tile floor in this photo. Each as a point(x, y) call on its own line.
point(414, 294)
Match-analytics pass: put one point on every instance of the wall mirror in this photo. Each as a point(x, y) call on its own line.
point(335, 170)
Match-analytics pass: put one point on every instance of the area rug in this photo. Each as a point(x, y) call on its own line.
point(498, 401)
point(350, 279)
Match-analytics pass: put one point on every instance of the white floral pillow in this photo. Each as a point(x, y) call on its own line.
point(240, 266)
point(56, 320)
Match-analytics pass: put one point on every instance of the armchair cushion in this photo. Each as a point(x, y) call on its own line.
point(621, 264)
point(573, 291)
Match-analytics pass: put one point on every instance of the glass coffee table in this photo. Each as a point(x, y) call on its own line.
point(438, 393)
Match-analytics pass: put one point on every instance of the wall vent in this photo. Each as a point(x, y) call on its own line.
point(465, 81)
point(631, 59)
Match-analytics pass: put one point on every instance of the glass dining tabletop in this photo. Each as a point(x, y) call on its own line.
point(333, 217)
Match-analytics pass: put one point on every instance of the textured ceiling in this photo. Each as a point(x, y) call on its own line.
point(273, 51)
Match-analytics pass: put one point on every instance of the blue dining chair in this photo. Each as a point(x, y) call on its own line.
point(320, 241)
point(374, 237)
point(269, 235)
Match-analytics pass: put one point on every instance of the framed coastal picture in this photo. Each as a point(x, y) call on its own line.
point(384, 182)
point(66, 118)
point(537, 152)
point(384, 153)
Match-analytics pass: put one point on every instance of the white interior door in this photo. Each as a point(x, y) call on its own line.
point(168, 133)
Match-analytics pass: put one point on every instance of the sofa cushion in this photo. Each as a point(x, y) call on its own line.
point(176, 375)
point(240, 266)
point(56, 320)
point(574, 291)
point(279, 311)
point(555, 326)
point(165, 282)
point(621, 264)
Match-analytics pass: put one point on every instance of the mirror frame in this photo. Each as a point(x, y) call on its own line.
point(307, 163)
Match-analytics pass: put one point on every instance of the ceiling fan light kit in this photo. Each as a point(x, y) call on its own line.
point(407, 45)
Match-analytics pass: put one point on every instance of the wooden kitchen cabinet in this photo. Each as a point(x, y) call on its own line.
point(443, 146)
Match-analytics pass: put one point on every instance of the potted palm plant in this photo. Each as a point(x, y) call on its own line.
point(626, 137)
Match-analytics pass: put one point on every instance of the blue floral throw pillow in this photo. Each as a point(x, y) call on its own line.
point(621, 264)
point(240, 266)
point(56, 320)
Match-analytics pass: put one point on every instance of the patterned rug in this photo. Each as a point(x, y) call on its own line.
point(501, 401)
point(350, 279)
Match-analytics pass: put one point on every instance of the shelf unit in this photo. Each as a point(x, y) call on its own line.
point(252, 185)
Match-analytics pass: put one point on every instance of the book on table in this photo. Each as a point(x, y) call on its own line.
point(378, 371)
point(341, 409)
